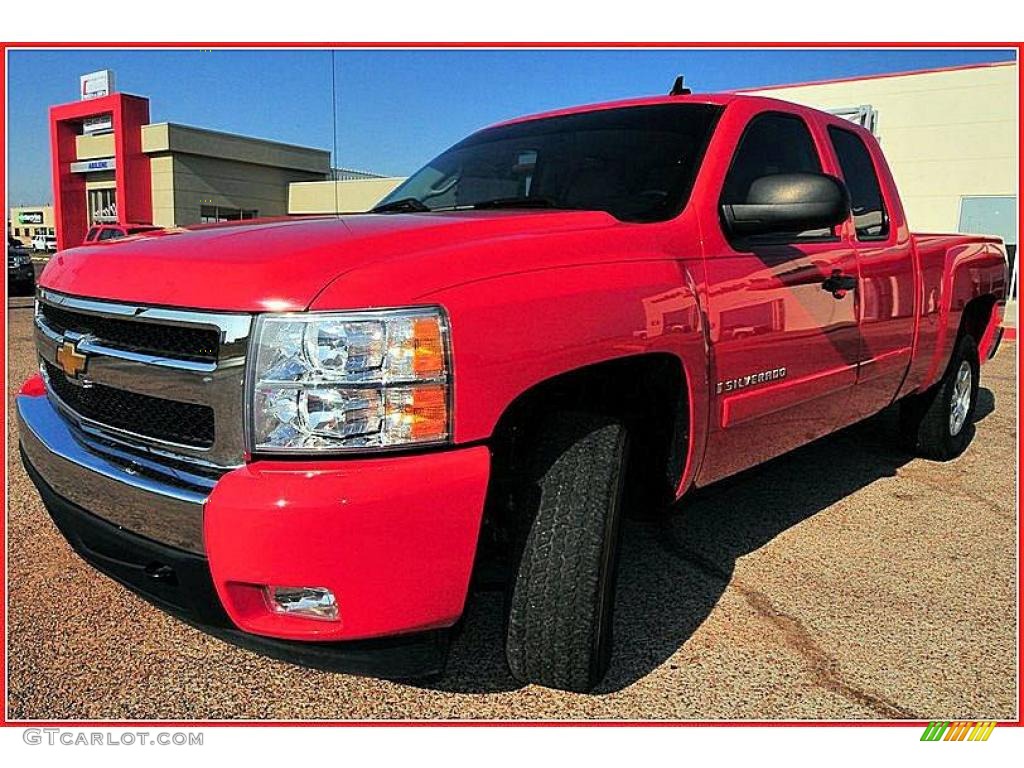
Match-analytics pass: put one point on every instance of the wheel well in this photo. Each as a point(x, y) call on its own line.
point(976, 316)
point(648, 392)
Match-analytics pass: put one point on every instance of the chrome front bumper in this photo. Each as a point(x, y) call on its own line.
point(117, 489)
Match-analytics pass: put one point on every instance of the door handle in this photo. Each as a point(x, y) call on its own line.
point(838, 284)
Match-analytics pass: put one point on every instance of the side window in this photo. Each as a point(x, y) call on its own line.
point(109, 234)
point(869, 215)
point(772, 143)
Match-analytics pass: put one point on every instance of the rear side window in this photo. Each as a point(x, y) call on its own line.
point(109, 234)
point(869, 214)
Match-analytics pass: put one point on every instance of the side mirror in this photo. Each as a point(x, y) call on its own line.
point(789, 202)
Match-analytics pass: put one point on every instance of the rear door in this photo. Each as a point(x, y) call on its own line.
point(783, 348)
point(885, 259)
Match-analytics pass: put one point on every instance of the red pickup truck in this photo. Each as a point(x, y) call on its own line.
point(305, 436)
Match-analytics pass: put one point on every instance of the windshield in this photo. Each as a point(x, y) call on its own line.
point(636, 163)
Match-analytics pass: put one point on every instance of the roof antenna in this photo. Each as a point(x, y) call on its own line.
point(678, 89)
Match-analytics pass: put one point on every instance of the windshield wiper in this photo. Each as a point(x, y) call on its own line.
point(414, 205)
point(402, 205)
point(518, 202)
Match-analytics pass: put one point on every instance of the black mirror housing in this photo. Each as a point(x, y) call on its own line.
point(788, 202)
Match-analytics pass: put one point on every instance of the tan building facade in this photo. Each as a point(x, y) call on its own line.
point(344, 196)
point(201, 176)
point(26, 221)
point(949, 135)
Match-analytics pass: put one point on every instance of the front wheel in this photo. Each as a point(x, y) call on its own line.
point(938, 424)
point(560, 608)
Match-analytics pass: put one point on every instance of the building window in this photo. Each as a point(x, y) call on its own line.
point(211, 214)
point(992, 215)
point(102, 206)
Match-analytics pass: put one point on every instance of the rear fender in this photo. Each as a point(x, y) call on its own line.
point(970, 271)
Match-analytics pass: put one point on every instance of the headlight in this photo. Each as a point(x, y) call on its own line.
point(349, 381)
point(21, 259)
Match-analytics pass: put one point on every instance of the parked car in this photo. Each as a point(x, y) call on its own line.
point(21, 275)
point(44, 243)
point(304, 436)
point(99, 233)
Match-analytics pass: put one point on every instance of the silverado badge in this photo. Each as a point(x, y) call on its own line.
point(731, 385)
point(70, 360)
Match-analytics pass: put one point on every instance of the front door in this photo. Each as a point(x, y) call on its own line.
point(784, 346)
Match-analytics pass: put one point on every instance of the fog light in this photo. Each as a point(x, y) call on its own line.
point(311, 602)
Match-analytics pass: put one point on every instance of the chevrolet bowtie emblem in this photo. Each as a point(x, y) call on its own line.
point(70, 360)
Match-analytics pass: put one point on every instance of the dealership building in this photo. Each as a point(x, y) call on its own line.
point(110, 164)
point(949, 134)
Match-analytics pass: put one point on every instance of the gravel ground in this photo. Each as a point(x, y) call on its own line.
point(844, 581)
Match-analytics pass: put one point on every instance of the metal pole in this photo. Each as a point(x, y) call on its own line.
point(334, 125)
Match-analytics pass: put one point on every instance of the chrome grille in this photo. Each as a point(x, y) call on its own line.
point(158, 418)
point(159, 382)
point(159, 340)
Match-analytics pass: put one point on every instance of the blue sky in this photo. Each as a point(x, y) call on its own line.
point(396, 109)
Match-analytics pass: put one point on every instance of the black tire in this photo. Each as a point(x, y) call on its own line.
point(926, 420)
point(559, 631)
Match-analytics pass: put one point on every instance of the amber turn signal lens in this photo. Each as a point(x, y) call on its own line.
point(428, 351)
point(429, 413)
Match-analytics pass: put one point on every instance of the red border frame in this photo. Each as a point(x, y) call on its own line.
point(5, 46)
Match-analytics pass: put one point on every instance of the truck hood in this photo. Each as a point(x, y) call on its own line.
point(282, 265)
